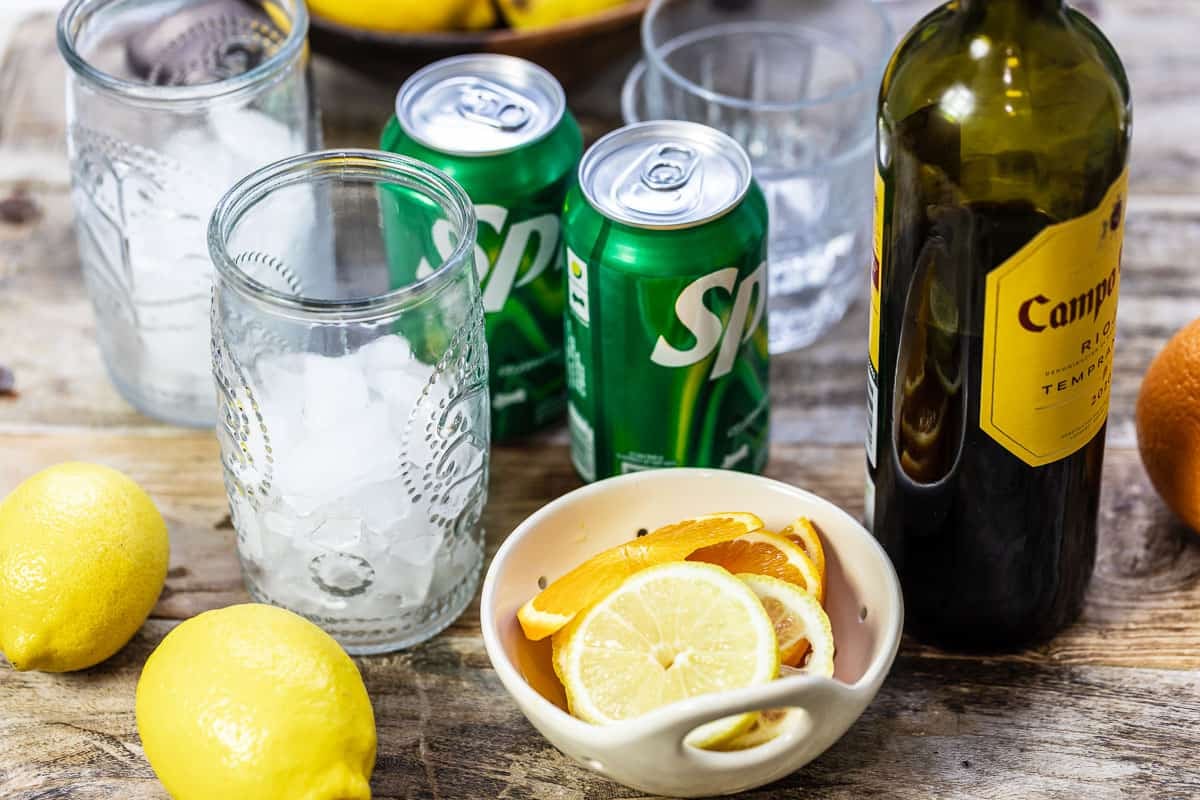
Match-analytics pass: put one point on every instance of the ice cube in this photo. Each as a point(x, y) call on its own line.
point(252, 137)
point(385, 353)
point(334, 390)
point(286, 551)
point(207, 171)
point(383, 505)
point(399, 388)
point(402, 582)
point(301, 504)
point(288, 526)
point(280, 381)
point(206, 166)
point(417, 419)
point(418, 549)
point(173, 319)
point(331, 463)
point(249, 532)
point(341, 535)
point(459, 558)
point(187, 140)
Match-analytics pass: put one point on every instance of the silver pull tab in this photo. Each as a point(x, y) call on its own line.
point(489, 104)
point(668, 167)
point(666, 180)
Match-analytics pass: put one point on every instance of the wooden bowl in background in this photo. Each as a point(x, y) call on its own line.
point(570, 50)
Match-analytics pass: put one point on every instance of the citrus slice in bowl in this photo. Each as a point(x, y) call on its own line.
point(767, 726)
point(667, 633)
point(804, 635)
point(805, 535)
point(588, 583)
point(801, 625)
point(765, 553)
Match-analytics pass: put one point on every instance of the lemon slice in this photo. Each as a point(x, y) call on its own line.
point(801, 625)
point(667, 633)
point(589, 582)
point(768, 726)
point(801, 628)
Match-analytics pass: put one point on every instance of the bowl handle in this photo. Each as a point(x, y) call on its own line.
point(665, 732)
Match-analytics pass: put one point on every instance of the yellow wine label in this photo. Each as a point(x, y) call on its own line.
point(876, 270)
point(1049, 324)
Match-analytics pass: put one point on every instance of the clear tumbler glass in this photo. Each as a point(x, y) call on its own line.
point(169, 102)
point(794, 81)
point(353, 392)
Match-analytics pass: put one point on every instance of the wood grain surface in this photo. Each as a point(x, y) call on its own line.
point(1109, 709)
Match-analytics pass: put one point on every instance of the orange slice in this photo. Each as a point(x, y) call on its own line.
point(765, 553)
point(535, 660)
point(594, 579)
point(805, 534)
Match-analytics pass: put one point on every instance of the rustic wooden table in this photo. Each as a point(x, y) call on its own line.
point(1111, 708)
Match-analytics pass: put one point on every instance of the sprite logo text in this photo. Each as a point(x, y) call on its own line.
point(707, 327)
point(501, 278)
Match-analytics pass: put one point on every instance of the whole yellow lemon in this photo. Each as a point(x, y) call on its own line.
point(83, 558)
point(523, 14)
point(411, 16)
point(256, 703)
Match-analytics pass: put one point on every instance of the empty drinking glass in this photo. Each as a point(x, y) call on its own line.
point(169, 102)
point(352, 374)
point(794, 81)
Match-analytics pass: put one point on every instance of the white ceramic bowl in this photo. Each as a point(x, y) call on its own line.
point(649, 753)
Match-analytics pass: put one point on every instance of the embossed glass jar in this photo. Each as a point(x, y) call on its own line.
point(354, 422)
point(169, 102)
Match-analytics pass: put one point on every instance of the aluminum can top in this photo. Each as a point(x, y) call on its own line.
point(666, 174)
point(480, 105)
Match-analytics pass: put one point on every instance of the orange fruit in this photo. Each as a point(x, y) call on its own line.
point(594, 579)
point(1168, 424)
point(765, 553)
point(805, 534)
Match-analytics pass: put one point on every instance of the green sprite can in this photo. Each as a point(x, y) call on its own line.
point(499, 126)
point(666, 324)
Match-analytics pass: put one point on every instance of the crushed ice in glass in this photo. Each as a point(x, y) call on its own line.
point(343, 533)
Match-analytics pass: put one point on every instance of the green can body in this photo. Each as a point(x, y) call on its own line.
point(666, 341)
point(518, 198)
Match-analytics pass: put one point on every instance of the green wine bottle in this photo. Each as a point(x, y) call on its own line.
point(1003, 137)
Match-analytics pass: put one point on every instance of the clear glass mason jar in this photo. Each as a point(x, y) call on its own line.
point(169, 102)
point(354, 423)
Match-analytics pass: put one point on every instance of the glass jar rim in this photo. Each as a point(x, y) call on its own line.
point(847, 153)
point(76, 13)
point(365, 166)
point(653, 58)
